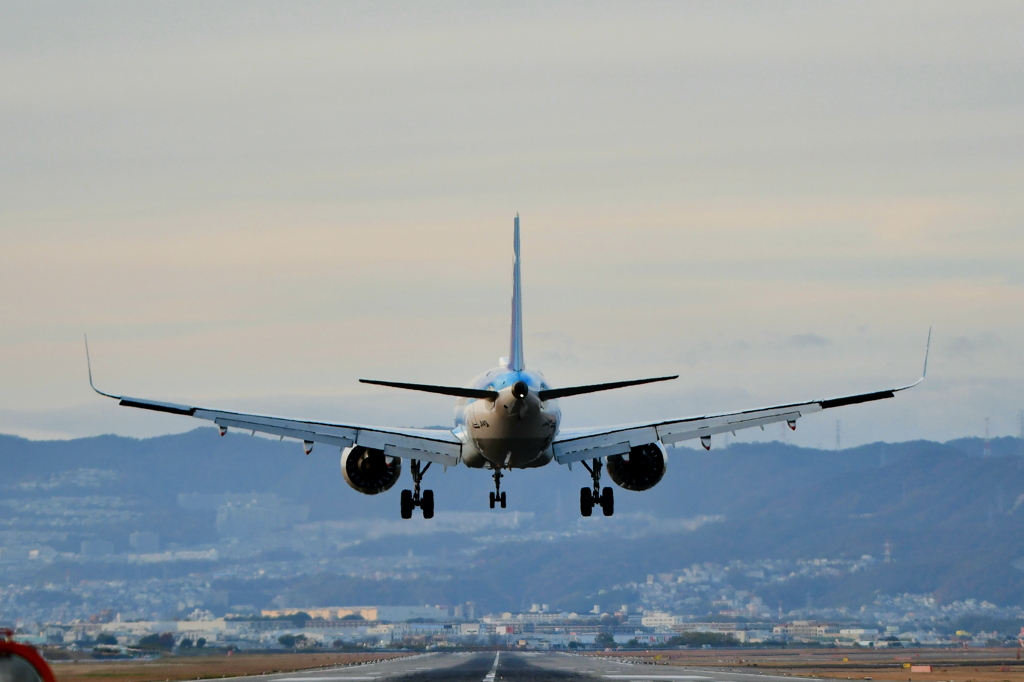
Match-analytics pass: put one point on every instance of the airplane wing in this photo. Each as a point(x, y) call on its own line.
point(573, 445)
point(432, 445)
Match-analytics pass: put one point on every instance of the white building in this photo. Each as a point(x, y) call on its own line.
point(660, 620)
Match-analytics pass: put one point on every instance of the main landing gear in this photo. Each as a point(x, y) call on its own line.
point(589, 498)
point(497, 497)
point(412, 498)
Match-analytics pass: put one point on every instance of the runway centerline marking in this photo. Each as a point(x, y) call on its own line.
point(489, 677)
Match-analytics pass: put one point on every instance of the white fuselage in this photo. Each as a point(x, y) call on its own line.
point(509, 432)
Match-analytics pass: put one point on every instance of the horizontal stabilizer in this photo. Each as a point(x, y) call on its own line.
point(456, 391)
point(553, 393)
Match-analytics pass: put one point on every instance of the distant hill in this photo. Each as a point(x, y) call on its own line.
point(955, 520)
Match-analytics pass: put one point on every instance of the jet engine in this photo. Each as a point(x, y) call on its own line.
point(369, 471)
point(641, 469)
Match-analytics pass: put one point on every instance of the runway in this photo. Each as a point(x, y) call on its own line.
point(513, 667)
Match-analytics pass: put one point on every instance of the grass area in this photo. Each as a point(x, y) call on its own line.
point(948, 665)
point(174, 668)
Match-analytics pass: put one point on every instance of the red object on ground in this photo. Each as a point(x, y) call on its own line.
point(9, 646)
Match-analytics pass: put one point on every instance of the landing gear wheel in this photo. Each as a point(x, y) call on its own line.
point(497, 497)
point(407, 504)
point(608, 501)
point(589, 497)
point(586, 502)
point(412, 498)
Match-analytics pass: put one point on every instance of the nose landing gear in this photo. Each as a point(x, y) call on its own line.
point(497, 497)
point(596, 496)
point(412, 498)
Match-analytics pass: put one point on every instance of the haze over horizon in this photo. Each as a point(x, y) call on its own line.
point(253, 205)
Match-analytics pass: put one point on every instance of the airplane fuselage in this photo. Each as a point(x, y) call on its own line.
point(515, 430)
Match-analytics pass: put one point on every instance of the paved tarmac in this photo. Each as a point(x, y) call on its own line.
point(513, 667)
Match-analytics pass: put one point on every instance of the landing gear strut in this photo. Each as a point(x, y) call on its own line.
point(412, 498)
point(591, 497)
point(497, 497)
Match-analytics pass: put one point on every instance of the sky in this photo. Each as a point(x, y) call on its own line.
point(251, 205)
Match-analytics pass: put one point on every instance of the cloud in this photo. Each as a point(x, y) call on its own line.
point(968, 346)
point(808, 341)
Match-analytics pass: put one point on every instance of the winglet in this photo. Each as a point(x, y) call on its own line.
point(927, 348)
point(88, 364)
point(879, 395)
point(924, 370)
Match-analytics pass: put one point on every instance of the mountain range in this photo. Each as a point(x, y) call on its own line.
point(952, 518)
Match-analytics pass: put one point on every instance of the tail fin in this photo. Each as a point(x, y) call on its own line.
point(515, 356)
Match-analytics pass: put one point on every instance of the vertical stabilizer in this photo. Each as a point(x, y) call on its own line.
point(515, 355)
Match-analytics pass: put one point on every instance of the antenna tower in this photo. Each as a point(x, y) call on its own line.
point(988, 444)
point(1020, 433)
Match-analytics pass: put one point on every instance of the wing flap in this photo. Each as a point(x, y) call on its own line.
point(673, 432)
point(284, 432)
point(610, 443)
point(441, 447)
point(430, 445)
point(278, 426)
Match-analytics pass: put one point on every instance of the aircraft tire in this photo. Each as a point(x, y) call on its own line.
point(586, 502)
point(608, 501)
point(492, 500)
point(427, 504)
point(502, 500)
point(406, 504)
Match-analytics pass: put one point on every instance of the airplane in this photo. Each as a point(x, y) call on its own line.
point(507, 418)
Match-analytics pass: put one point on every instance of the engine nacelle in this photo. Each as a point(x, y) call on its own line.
point(641, 469)
point(369, 471)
